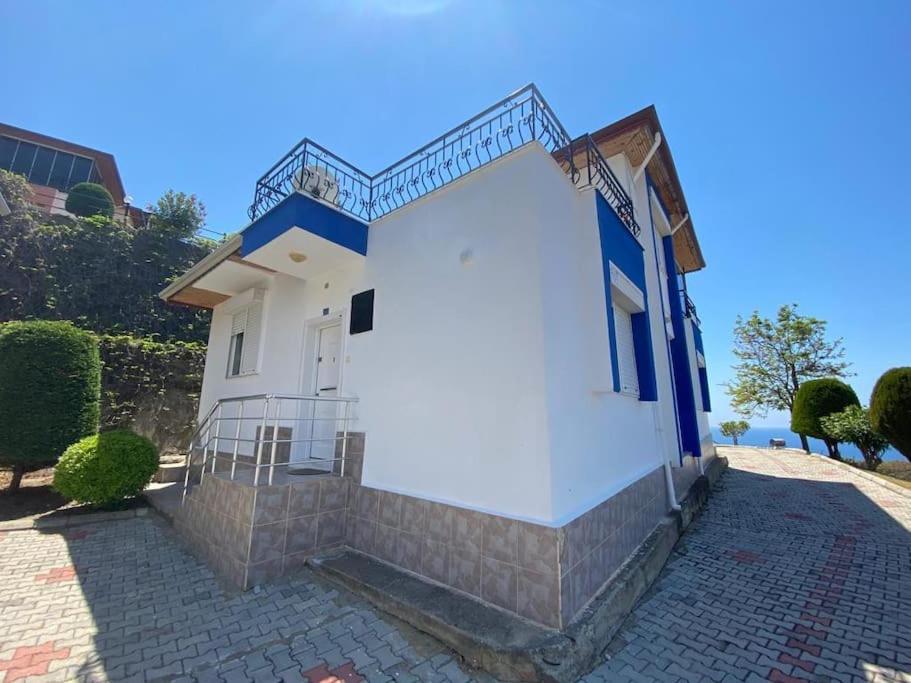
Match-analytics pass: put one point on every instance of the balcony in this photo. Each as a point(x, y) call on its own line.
point(689, 309)
point(511, 123)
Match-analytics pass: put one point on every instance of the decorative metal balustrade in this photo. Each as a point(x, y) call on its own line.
point(689, 309)
point(511, 123)
point(253, 437)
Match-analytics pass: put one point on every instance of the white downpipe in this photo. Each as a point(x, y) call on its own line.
point(701, 466)
point(671, 491)
point(648, 157)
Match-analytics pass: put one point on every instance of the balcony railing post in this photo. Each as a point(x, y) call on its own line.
point(262, 440)
point(344, 439)
point(275, 423)
point(240, 421)
point(217, 432)
point(205, 449)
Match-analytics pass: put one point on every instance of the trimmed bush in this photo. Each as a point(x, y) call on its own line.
point(50, 389)
point(852, 425)
point(890, 408)
point(90, 199)
point(106, 468)
point(816, 399)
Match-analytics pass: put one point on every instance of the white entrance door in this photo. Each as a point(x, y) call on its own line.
point(324, 425)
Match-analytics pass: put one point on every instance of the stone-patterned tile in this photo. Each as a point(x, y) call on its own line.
point(500, 539)
point(435, 560)
point(301, 534)
point(467, 530)
point(295, 562)
point(363, 534)
point(439, 522)
point(391, 509)
point(414, 514)
point(386, 545)
point(267, 542)
point(246, 499)
point(409, 551)
point(258, 574)
point(367, 503)
point(304, 499)
point(333, 494)
point(354, 468)
point(271, 504)
point(583, 582)
point(539, 597)
point(499, 583)
point(566, 600)
point(465, 570)
point(537, 548)
point(330, 528)
point(233, 536)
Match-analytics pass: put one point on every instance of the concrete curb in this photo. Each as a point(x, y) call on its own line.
point(505, 645)
point(64, 521)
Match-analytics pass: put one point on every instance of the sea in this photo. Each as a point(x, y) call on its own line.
point(759, 436)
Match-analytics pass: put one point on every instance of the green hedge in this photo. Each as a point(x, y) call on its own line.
point(152, 387)
point(50, 380)
point(816, 399)
point(890, 408)
point(105, 468)
point(90, 199)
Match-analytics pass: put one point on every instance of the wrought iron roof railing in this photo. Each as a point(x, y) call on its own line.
point(511, 123)
point(689, 309)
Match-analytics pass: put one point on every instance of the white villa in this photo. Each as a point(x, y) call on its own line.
point(479, 365)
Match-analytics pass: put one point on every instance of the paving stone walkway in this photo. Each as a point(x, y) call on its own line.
point(798, 568)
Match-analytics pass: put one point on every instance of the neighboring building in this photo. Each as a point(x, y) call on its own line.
point(491, 340)
point(53, 166)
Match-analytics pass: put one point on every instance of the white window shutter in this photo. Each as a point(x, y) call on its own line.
point(253, 327)
point(626, 351)
point(239, 322)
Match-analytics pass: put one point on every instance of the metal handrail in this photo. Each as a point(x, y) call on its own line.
point(516, 120)
point(209, 436)
point(689, 309)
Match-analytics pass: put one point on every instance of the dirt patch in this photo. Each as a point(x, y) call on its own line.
point(34, 497)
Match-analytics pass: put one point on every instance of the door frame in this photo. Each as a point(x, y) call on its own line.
point(310, 350)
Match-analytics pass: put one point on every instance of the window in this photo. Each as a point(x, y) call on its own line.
point(626, 351)
point(25, 155)
point(243, 349)
point(45, 165)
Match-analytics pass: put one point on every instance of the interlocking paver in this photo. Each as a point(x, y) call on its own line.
point(794, 571)
point(797, 569)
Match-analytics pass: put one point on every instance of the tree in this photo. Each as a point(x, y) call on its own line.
point(50, 392)
point(890, 408)
point(177, 215)
point(816, 399)
point(852, 425)
point(90, 199)
point(776, 357)
point(734, 429)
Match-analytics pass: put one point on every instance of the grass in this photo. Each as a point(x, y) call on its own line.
point(896, 471)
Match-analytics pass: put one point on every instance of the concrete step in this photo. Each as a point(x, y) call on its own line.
point(502, 643)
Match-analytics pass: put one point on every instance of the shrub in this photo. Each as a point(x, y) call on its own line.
point(105, 468)
point(734, 429)
point(90, 199)
point(50, 386)
point(816, 399)
point(852, 425)
point(890, 408)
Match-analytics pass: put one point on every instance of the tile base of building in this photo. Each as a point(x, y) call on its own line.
point(253, 534)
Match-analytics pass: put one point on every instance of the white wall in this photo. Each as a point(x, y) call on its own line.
point(485, 384)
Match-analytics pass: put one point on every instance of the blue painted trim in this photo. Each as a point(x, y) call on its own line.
point(703, 373)
point(683, 379)
point(667, 341)
point(309, 214)
point(620, 247)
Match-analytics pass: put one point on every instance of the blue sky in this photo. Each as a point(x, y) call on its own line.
point(788, 121)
